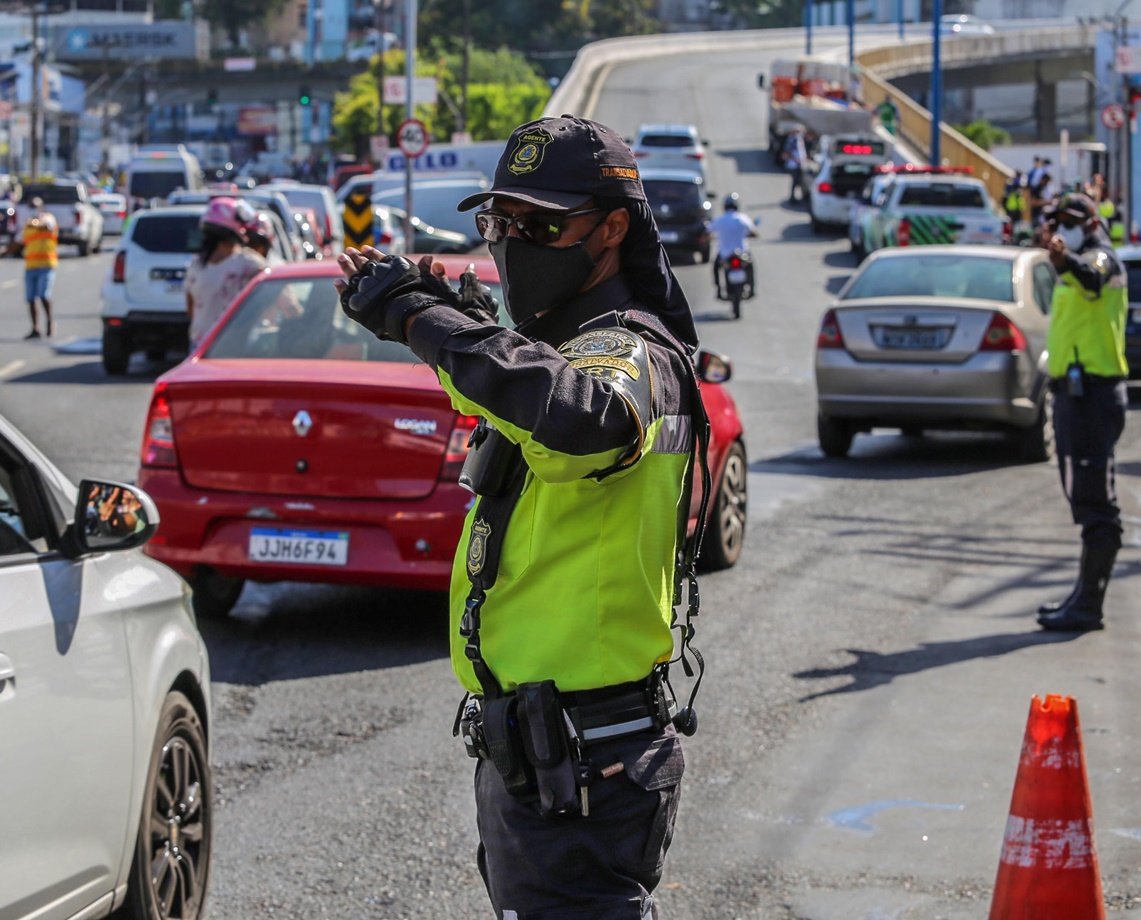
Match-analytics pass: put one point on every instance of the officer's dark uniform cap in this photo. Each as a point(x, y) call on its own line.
point(560, 163)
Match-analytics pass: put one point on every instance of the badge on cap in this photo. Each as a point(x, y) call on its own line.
point(528, 153)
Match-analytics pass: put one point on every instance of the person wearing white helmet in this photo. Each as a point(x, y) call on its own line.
point(223, 266)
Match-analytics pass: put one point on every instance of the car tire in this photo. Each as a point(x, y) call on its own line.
point(171, 864)
point(82, 248)
point(725, 527)
point(116, 352)
point(705, 254)
point(1036, 443)
point(214, 594)
point(835, 435)
point(98, 247)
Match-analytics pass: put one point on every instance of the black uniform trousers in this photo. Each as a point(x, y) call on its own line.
point(1086, 429)
point(601, 866)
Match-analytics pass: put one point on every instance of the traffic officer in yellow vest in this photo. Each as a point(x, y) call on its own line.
point(1086, 345)
point(575, 552)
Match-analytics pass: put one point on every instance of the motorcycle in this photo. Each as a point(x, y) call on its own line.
point(738, 280)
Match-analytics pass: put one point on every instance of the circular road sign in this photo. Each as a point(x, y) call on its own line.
point(1113, 116)
point(412, 137)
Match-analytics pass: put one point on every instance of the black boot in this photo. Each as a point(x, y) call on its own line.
point(1051, 606)
point(1083, 610)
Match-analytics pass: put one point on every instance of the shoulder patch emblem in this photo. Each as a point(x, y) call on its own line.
point(528, 153)
point(477, 546)
point(614, 343)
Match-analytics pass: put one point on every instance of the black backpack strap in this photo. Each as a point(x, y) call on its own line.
point(688, 547)
point(485, 546)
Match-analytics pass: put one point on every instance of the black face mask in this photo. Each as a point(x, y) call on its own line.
point(538, 278)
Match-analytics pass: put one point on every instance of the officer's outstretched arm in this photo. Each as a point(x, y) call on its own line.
point(582, 411)
point(1096, 271)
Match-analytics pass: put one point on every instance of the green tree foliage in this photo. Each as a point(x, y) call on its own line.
point(503, 91)
point(235, 15)
point(534, 25)
point(983, 133)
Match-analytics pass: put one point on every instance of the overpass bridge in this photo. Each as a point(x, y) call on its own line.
point(1040, 52)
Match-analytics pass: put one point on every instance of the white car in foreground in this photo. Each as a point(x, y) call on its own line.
point(106, 798)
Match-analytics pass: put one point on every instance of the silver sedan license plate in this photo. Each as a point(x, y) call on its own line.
point(912, 339)
point(308, 547)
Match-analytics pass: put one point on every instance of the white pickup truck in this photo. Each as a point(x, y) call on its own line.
point(80, 222)
point(917, 210)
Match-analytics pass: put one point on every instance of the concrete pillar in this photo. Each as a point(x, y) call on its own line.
point(1045, 107)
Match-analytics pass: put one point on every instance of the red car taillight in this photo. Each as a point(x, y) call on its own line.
point(78, 216)
point(1002, 335)
point(158, 435)
point(119, 269)
point(122, 215)
point(1007, 231)
point(735, 261)
point(384, 240)
point(903, 234)
point(824, 188)
point(830, 335)
point(696, 155)
point(456, 452)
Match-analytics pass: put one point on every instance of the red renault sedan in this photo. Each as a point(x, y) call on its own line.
point(293, 445)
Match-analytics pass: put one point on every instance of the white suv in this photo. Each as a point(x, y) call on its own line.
point(104, 704)
point(144, 305)
point(670, 147)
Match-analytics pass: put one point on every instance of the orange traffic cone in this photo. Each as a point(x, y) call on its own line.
point(1048, 868)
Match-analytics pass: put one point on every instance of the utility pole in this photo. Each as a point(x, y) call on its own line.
point(936, 83)
point(35, 128)
point(410, 13)
point(808, 15)
point(467, 61)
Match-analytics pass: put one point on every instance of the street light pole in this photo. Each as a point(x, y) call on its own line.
point(808, 27)
point(851, 39)
point(899, 9)
point(936, 82)
point(36, 102)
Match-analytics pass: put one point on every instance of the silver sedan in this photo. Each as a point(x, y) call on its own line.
point(939, 337)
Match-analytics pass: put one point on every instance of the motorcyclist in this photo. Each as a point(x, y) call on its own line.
point(733, 230)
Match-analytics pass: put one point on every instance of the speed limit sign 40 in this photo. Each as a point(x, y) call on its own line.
point(412, 137)
point(1113, 116)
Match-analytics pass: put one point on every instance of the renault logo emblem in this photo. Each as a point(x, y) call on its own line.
point(302, 423)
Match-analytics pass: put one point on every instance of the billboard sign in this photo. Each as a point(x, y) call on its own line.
point(164, 39)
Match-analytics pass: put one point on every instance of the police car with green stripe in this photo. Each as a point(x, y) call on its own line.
point(923, 210)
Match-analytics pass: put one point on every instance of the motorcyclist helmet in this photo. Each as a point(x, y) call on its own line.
point(227, 217)
point(259, 231)
point(732, 201)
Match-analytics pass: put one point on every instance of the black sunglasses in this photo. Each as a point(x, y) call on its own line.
point(538, 227)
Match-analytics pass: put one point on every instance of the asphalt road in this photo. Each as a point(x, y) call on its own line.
point(871, 659)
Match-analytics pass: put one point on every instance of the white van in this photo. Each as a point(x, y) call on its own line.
point(156, 172)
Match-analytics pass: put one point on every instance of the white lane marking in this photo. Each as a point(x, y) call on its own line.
point(11, 368)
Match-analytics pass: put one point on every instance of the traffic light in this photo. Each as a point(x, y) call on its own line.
point(303, 96)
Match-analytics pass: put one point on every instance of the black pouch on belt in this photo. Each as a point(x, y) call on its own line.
point(547, 747)
point(502, 735)
point(490, 461)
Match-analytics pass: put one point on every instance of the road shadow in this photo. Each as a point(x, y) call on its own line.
point(840, 259)
point(715, 316)
point(892, 456)
point(835, 283)
point(870, 669)
point(750, 160)
point(1129, 468)
point(290, 631)
point(91, 372)
point(796, 233)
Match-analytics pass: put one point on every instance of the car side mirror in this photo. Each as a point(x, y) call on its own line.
point(109, 516)
point(713, 368)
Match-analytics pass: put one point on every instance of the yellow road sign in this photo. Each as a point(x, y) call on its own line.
point(358, 219)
